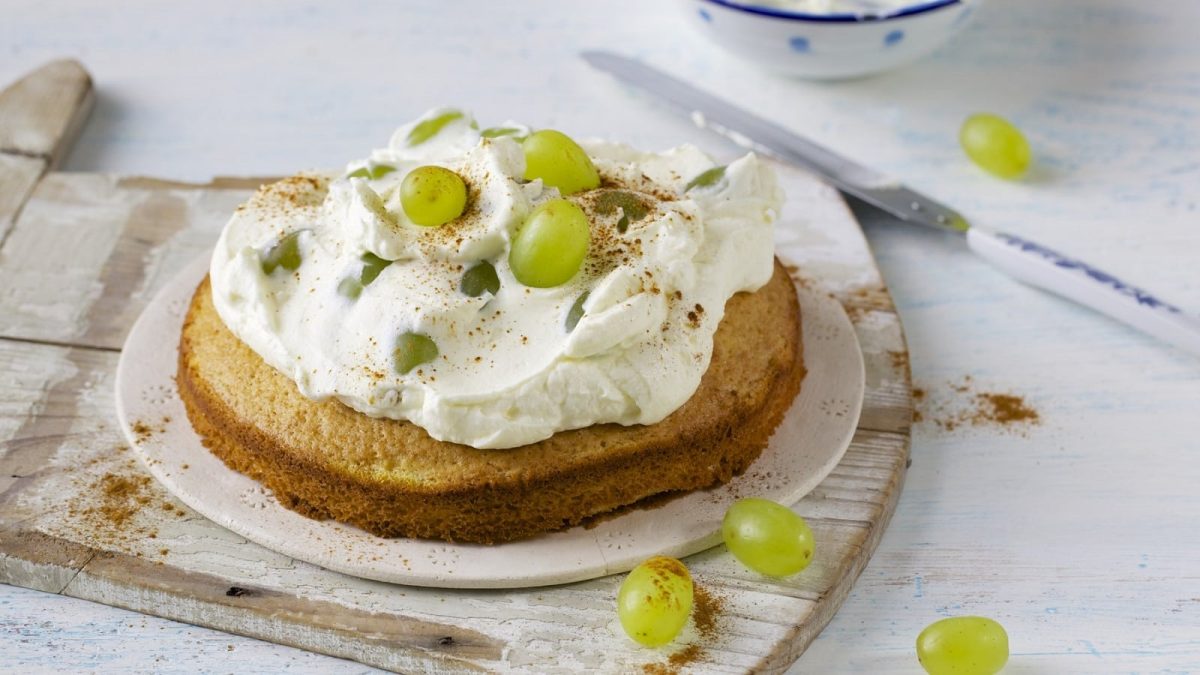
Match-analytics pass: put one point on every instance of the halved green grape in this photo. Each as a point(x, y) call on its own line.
point(497, 132)
point(706, 179)
point(550, 247)
point(995, 145)
point(632, 207)
point(427, 129)
point(480, 279)
point(576, 312)
point(350, 287)
point(413, 349)
point(372, 266)
point(374, 173)
point(655, 601)
point(767, 537)
point(559, 161)
point(433, 195)
point(284, 253)
point(963, 645)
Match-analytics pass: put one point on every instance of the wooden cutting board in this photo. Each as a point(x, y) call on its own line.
point(82, 253)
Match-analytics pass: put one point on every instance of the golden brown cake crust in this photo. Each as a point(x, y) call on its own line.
point(390, 478)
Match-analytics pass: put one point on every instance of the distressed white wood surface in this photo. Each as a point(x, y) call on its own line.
point(18, 175)
point(1080, 536)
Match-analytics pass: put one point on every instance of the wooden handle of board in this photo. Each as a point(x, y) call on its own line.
point(41, 114)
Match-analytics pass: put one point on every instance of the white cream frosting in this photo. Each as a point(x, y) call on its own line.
point(508, 372)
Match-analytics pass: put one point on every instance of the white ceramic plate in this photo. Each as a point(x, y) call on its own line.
point(811, 440)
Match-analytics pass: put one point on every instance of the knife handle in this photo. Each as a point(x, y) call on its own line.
point(1076, 280)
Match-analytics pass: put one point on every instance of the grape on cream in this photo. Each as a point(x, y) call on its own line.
point(507, 371)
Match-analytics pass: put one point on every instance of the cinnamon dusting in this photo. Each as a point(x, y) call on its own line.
point(968, 406)
point(706, 612)
point(144, 431)
point(109, 506)
point(108, 501)
point(706, 609)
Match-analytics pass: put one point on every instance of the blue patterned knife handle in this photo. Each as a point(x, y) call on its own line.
point(1059, 260)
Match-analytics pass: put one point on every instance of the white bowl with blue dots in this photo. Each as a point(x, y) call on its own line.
point(828, 46)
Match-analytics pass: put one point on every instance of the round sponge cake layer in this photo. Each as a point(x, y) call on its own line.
point(390, 478)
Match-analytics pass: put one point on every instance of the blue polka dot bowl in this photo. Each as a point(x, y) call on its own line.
point(829, 46)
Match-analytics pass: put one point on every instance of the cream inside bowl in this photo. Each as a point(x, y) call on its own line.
point(828, 39)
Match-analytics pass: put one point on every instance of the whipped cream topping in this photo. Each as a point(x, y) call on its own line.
point(860, 7)
point(509, 369)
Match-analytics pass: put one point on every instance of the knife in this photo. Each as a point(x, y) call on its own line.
point(1021, 258)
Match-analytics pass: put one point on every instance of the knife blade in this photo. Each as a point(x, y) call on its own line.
point(759, 135)
point(1025, 260)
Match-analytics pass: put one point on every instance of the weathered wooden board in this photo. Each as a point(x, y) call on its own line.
point(88, 251)
point(18, 175)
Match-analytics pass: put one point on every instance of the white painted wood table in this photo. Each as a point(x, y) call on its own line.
point(1080, 534)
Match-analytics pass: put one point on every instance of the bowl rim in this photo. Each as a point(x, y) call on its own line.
point(909, 10)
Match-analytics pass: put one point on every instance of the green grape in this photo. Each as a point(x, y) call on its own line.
point(963, 645)
point(497, 132)
point(559, 161)
point(480, 279)
point(432, 195)
point(350, 288)
point(374, 173)
point(427, 129)
point(768, 538)
point(550, 247)
point(632, 208)
point(576, 312)
point(706, 179)
point(413, 349)
point(372, 266)
point(284, 253)
point(995, 145)
point(655, 601)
